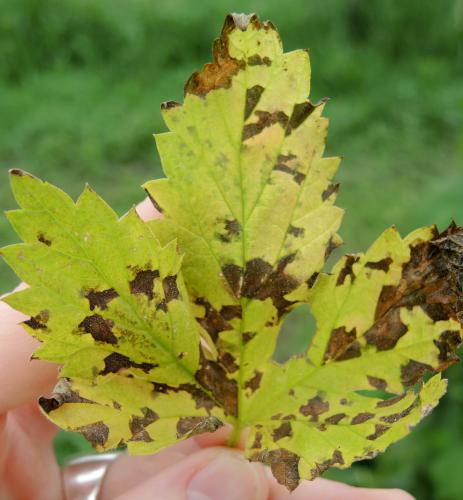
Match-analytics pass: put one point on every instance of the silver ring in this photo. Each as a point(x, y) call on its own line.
point(83, 476)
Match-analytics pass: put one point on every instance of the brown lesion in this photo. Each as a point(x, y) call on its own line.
point(213, 377)
point(115, 362)
point(191, 426)
point(43, 239)
point(430, 280)
point(282, 431)
point(283, 165)
point(212, 321)
point(99, 328)
point(299, 115)
point(219, 74)
point(138, 424)
point(376, 382)
point(253, 95)
point(362, 417)
point(143, 282)
point(169, 285)
point(315, 407)
point(254, 382)
point(330, 190)
point(321, 467)
point(342, 345)
point(96, 433)
point(379, 431)
point(100, 299)
point(232, 229)
point(39, 321)
point(347, 269)
point(284, 465)
point(265, 119)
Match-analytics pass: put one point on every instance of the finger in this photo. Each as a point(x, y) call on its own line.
point(147, 211)
point(212, 473)
point(22, 380)
point(324, 489)
point(128, 471)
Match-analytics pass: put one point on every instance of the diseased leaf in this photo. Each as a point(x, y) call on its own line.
point(167, 329)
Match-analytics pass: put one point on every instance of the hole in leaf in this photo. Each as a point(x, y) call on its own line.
point(295, 334)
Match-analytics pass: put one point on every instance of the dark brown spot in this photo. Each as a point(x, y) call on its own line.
point(257, 441)
point(311, 281)
point(320, 468)
point(169, 285)
point(282, 166)
point(300, 113)
point(59, 398)
point(387, 331)
point(335, 419)
point(347, 270)
point(448, 342)
point(97, 433)
point(232, 274)
point(39, 321)
point(252, 98)
point(265, 119)
point(390, 419)
point(258, 60)
point(214, 378)
point(314, 407)
point(377, 383)
point(390, 401)
point(200, 397)
point(330, 247)
point(116, 405)
point(161, 305)
point(19, 173)
point(191, 426)
point(137, 424)
point(284, 465)
point(284, 430)
point(41, 237)
point(232, 230)
point(342, 345)
point(254, 382)
point(143, 283)
point(100, 299)
point(99, 328)
point(169, 105)
point(262, 282)
point(213, 322)
point(230, 312)
point(381, 265)
point(247, 336)
point(332, 188)
point(115, 362)
point(297, 232)
point(257, 271)
point(413, 371)
point(379, 431)
point(229, 362)
point(362, 417)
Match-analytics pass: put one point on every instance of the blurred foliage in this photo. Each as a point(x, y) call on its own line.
point(80, 86)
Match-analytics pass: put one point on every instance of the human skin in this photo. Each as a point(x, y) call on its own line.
point(200, 468)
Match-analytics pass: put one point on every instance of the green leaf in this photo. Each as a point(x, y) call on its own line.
point(167, 329)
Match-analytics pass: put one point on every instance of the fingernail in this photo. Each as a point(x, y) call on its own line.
point(227, 477)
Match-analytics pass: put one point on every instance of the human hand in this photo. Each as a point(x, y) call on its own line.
point(199, 468)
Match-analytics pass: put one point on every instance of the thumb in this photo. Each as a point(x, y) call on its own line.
point(209, 474)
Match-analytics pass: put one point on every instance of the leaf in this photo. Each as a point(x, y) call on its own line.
point(248, 195)
point(158, 346)
point(108, 302)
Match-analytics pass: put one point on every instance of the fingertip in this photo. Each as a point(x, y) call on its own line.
point(147, 211)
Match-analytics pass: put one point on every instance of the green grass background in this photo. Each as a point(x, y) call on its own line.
point(80, 86)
